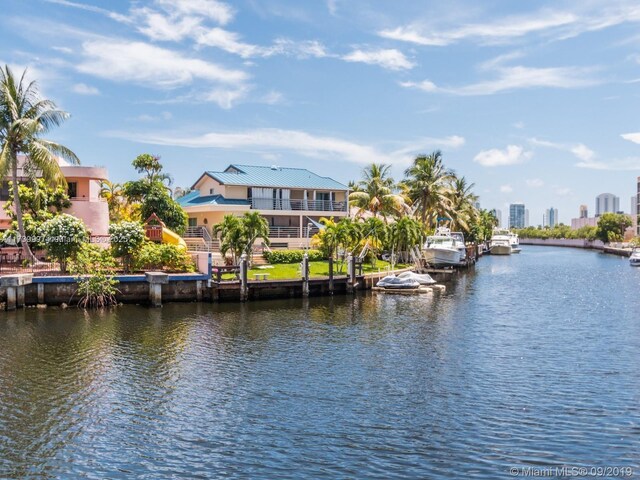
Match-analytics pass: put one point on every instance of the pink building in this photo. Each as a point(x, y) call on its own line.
point(577, 223)
point(84, 192)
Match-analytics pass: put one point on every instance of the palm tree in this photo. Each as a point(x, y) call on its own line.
point(404, 235)
point(232, 236)
point(428, 186)
point(24, 117)
point(255, 227)
point(113, 194)
point(463, 200)
point(375, 193)
point(375, 233)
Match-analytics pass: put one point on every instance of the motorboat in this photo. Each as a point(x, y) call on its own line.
point(421, 278)
point(443, 248)
point(396, 283)
point(500, 243)
point(634, 259)
point(462, 246)
point(515, 242)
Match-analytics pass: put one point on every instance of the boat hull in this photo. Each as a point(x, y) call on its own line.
point(634, 262)
point(501, 250)
point(439, 256)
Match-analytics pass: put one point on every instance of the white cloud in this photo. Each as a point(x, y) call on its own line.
point(494, 157)
point(534, 183)
point(227, 41)
point(274, 141)
point(563, 191)
point(269, 139)
point(519, 125)
point(158, 26)
point(517, 77)
point(499, 31)
point(220, 12)
point(83, 89)
point(629, 163)
point(150, 65)
point(421, 145)
point(332, 5)
point(632, 137)
point(506, 188)
point(390, 59)
point(550, 23)
point(145, 117)
point(579, 150)
point(227, 97)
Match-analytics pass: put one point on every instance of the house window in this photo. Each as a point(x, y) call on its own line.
point(4, 191)
point(211, 191)
point(72, 190)
point(193, 222)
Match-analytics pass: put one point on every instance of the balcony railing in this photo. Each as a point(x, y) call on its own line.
point(292, 232)
point(295, 204)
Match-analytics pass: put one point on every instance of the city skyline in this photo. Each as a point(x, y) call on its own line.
point(336, 85)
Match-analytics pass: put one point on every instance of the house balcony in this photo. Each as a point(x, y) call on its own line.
point(292, 232)
point(298, 205)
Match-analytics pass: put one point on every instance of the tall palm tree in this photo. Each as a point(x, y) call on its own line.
point(113, 194)
point(232, 236)
point(255, 227)
point(376, 193)
point(24, 117)
point(428, 186)
point(463, 200)
point(404, 235)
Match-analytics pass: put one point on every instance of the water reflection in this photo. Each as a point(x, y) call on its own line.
point(529, 360)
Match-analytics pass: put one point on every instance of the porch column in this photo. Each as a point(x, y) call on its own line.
point(302, 227)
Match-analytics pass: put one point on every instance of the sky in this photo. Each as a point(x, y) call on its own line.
point(533, 102)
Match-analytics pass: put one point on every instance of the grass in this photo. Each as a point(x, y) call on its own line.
point(288, 271)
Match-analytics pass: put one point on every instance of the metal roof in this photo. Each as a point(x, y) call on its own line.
point(194, 199)
point(277, 177)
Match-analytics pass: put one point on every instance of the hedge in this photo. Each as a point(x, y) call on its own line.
point(292, 256)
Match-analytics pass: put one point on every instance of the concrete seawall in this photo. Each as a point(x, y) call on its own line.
point(577, 243)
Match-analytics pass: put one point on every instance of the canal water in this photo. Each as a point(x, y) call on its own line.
point(531, 361)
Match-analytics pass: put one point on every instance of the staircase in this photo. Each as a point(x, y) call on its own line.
point(198, 239)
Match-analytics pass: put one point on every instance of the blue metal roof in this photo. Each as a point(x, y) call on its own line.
point(277, 177)
point(194, 199)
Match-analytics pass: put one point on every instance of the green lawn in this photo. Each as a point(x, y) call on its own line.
point(284, 271)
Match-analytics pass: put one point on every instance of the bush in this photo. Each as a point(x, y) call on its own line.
point(292, 256)
point(93, 266)
point(163, 256)
point(63, 236)
point(126, 238)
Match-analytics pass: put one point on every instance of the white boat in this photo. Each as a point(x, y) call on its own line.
point(500, 243)
point(634, 259)
point(421, 278)
point(515, 242)
point(396, 283)
point(442, 248)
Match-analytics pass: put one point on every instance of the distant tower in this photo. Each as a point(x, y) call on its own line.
point(550, 218)
point(607, 202)
point(498, 214)
point(517, 215)
point(584, 212)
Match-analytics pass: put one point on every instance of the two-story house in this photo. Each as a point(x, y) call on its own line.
point(291, 199)
point(84, 192)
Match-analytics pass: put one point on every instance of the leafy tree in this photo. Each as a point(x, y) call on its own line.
point(24, 118)
point(126, 239)
point(428, 185)
point(119, 208)
point(375, 233)
point(482, 227)
point(375, 193)
point(463, 211)
point(338, 239)
point(63, 236)
point(153, 195)
point(611, 227)
point(40, 202)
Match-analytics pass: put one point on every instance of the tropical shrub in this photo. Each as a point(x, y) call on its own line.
point(238, 234)
point(93, 267)
point(163, 256)
point(293, 256)
point(63, 236)
point(126, 238)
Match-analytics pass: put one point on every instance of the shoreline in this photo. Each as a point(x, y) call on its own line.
point(577, 243)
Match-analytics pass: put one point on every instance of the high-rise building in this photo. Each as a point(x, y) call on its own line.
point(584, 211)
point(517, 215)
point(635, 217)
point(526, 218)
point(550, 217)
point(498, 214)
point(607, 202)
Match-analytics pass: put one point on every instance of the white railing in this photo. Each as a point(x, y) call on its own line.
point(292, 232)
point(294, 204)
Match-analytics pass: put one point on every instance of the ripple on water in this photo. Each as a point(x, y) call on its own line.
point(529, 360)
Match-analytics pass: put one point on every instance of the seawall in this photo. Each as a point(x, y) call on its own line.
point(578, 243)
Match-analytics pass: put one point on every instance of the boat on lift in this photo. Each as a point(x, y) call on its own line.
point(515, 242)
point(634, 259)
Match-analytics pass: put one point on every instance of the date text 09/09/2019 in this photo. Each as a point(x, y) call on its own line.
point(571, 471)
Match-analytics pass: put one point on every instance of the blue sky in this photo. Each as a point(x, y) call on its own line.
point(532, 101)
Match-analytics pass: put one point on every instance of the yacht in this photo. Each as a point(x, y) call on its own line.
point(515, 242)
point(443, 248)
point(500, 243)
point(634, 259)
